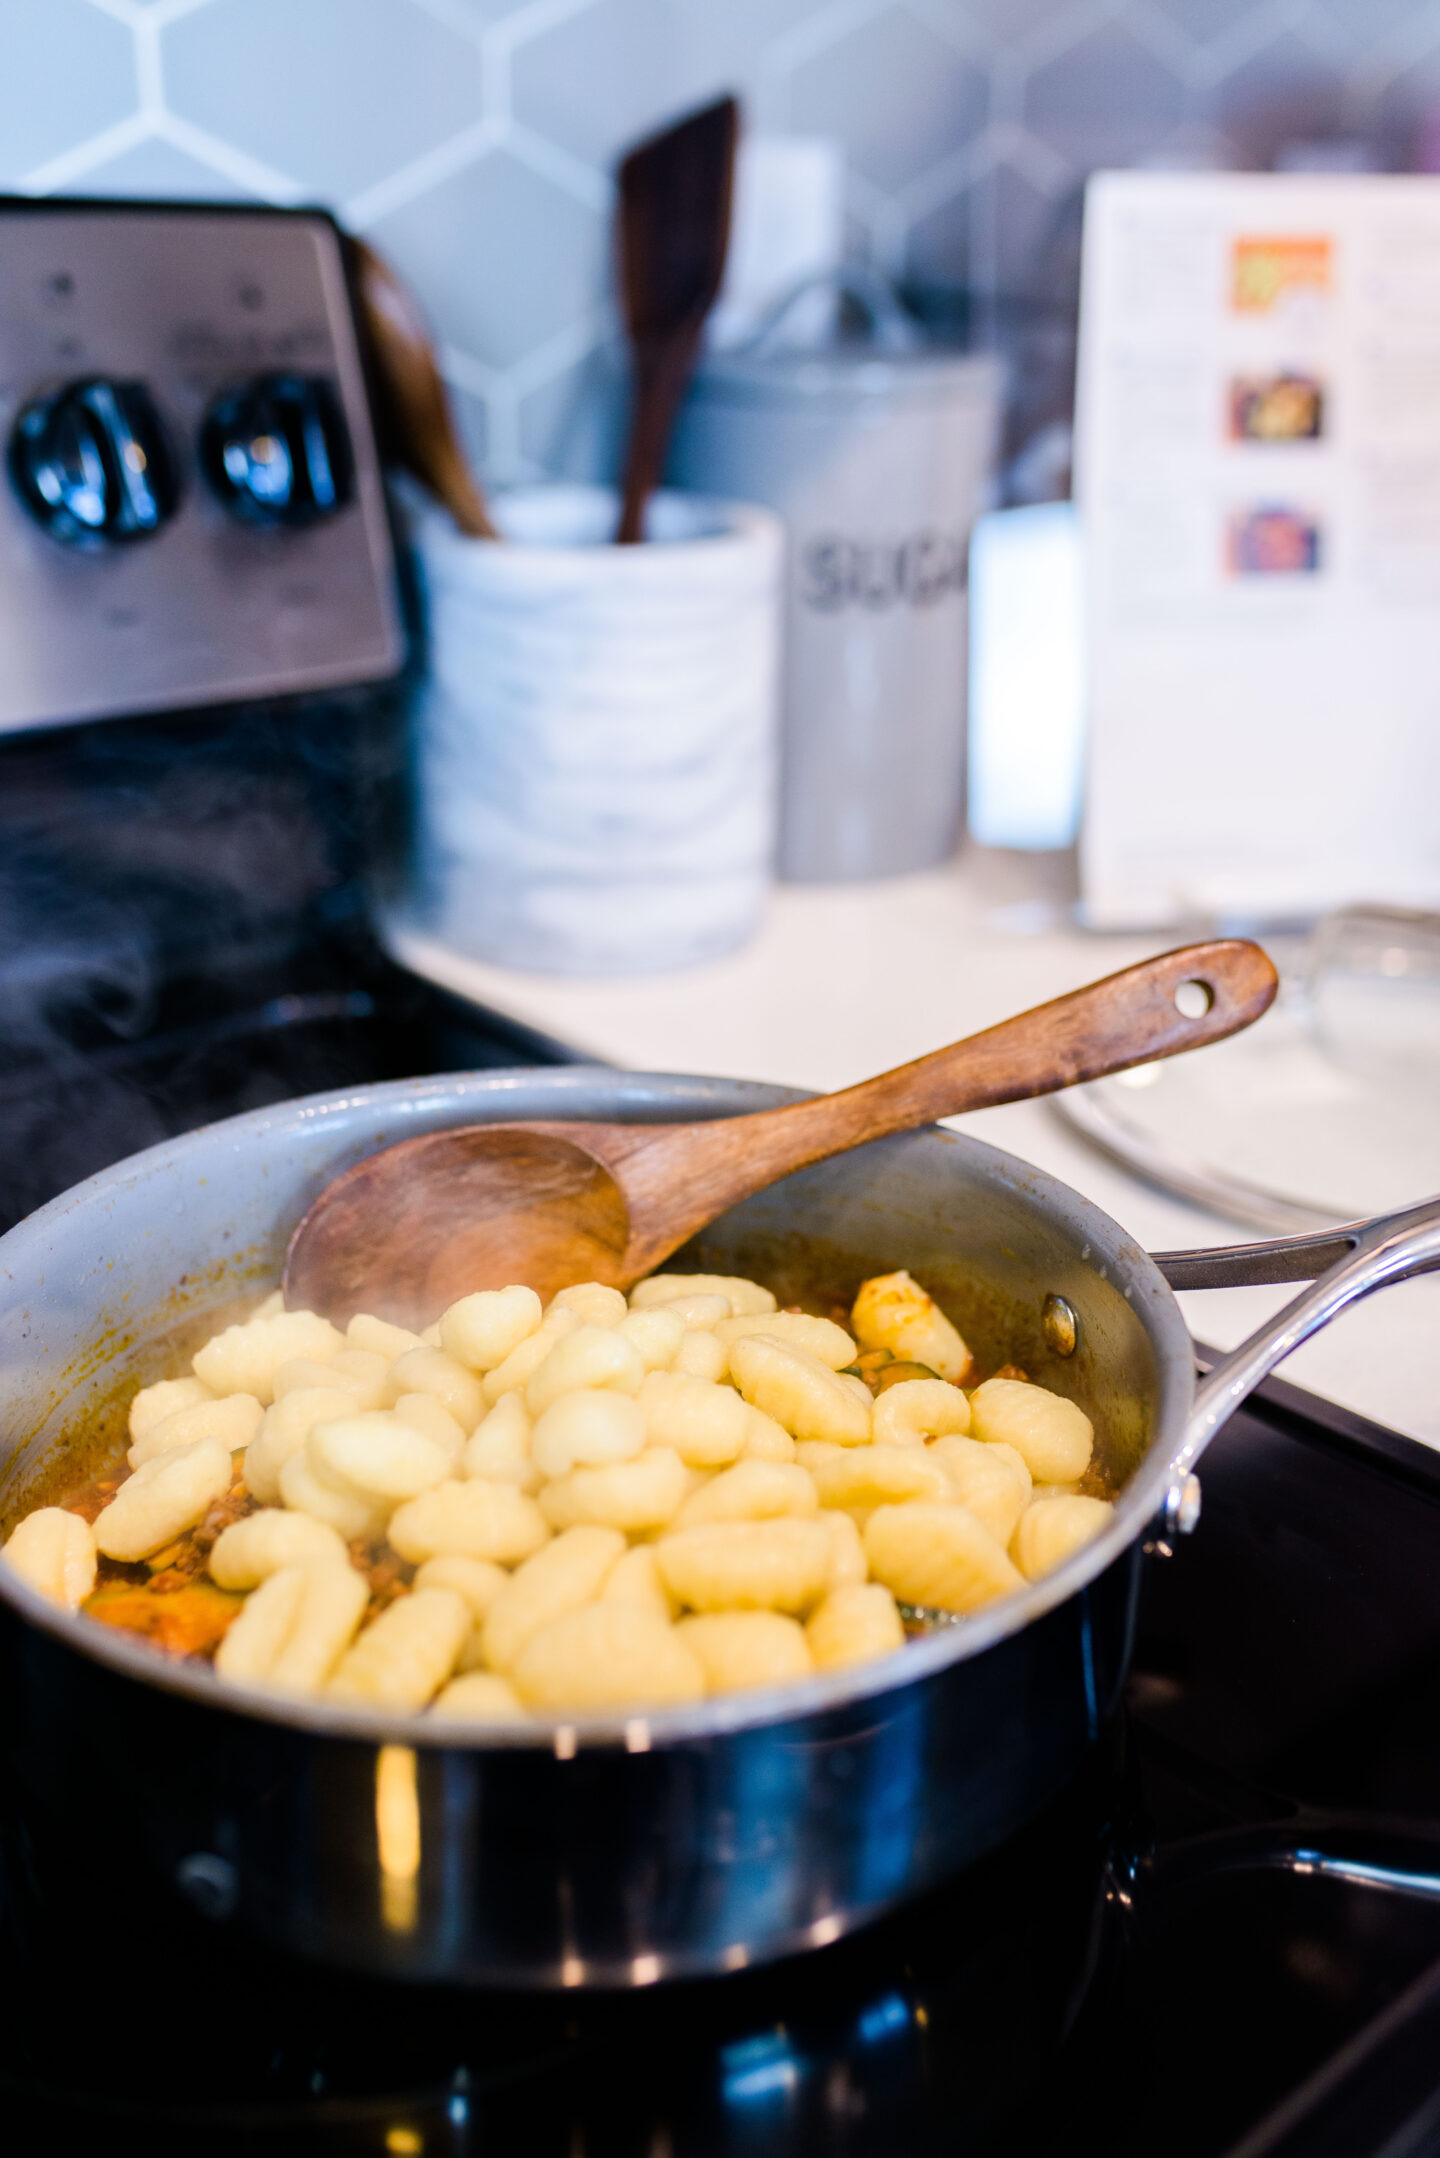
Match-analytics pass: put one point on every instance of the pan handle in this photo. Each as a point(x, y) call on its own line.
point(1281, 1258)
point(1392, 1247)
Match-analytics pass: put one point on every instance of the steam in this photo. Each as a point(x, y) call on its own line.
point(160, 881)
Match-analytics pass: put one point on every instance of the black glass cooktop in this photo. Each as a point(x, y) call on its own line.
point(1224, 1939)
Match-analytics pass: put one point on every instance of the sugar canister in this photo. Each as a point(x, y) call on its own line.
point(876, 453)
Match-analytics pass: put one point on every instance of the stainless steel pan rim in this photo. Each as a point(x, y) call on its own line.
point(458, 1098)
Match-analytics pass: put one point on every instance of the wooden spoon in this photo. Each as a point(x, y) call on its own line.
point(406, 1232)
point(673, 231)
point(416, 428)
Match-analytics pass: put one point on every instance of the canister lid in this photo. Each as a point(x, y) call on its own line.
point(891, 360)
point(841, 374)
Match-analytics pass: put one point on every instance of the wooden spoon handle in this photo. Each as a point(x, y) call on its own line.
point(1128, 1018)
point(413, 411)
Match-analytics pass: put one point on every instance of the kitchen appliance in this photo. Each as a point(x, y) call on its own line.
point(201, 709)
point(876, 453)
point(609, 1850)
point(195, 512)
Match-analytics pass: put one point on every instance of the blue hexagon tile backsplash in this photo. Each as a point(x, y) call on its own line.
point(474, 139)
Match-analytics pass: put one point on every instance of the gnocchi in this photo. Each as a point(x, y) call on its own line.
point(607, 1656)
point(914, 1410)
point(164, 1497)
point(244, 1359)
point(861, 1478)
point(636, 1579)
point(707, 1425)
point(405, 1655)
point(377, 1337)
point(586, 1429)
point(347, 1511)
point(294, 1629)
point(637, 1496)
point(427, 1414)
point(701, 1355)
point(593, 1357)
point(499, 1447)
point(528, 1355)
point(354, 1372)
point(234, 1418)
point(154, 1403)
point(820, 1338)
point(598, 1504)
point(856, 1622)
point(1050, 1530)
point(657, 1335)
point(54, 1552)
point(480, 1697)
point(475, 1519)
point(893, 1312)
point(752, 1491)
point(594, 1303)
point(284, 1428)
point(937, 1555)
point(800, 1392)
point(777, 1565)
point(564, 1576)
point(249, 1551)
point(482, 1330)
point(1053, 1437)
point(992, 1481)
point(380, 1458)
point(430, 1371)
point(747, 1648)
point(744, 1297)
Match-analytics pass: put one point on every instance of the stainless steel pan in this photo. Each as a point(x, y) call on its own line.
point(608, 1852)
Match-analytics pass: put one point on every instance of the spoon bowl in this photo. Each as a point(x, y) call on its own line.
point(522, 1202)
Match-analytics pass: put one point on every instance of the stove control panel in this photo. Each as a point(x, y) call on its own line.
point(194, 511)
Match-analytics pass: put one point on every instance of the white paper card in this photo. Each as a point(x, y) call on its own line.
point(1258, 471)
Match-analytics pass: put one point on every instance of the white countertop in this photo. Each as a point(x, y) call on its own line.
point(847, 980)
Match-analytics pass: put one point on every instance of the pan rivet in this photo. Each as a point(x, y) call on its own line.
point(1182, 1506)
point(1060, 1325)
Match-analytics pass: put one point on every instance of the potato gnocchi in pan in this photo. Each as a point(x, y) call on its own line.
point(599, 1505)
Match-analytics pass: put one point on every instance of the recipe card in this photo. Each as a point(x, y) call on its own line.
point(1258, 474)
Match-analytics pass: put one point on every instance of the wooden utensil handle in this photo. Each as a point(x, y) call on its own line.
point(662, 369)
point(1128, 1018)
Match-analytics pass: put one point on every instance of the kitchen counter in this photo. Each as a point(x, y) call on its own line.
point(846, 980)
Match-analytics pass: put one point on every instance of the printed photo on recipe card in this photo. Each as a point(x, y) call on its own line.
point(1258, 473)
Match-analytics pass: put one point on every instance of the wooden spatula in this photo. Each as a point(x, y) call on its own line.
point(413, 417)
point(673, 230)
point(408, 1231)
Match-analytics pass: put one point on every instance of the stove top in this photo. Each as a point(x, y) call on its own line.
point(1225, 1939)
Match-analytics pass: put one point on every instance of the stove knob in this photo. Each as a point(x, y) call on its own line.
point(276, 450)
point(91, 463)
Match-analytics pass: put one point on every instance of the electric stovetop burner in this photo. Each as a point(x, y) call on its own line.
point(1224, 1939)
